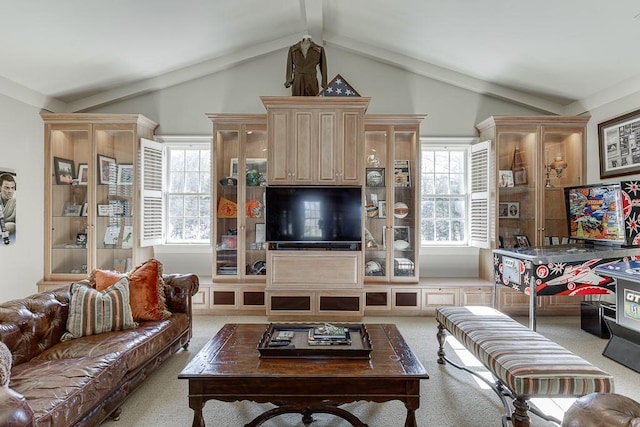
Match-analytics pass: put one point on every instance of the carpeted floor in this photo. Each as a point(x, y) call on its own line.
point(450, 398)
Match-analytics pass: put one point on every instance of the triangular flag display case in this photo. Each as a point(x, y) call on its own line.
point(338, 86)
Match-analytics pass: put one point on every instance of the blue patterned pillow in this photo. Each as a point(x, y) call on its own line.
point(94, 312)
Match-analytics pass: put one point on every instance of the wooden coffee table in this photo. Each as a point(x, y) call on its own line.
point(228, 368)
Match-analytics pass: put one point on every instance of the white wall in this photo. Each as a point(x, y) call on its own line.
point(21, 149)
point(181, 110)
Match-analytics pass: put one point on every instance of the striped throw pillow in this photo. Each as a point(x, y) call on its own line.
point(94, 312)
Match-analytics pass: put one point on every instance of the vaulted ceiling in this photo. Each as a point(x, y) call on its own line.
point(563, 57)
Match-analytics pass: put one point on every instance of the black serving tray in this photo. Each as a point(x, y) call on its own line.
point(360, 347)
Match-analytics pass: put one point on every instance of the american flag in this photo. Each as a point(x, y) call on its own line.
point(338, 87)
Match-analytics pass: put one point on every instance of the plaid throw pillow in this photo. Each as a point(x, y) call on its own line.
point(94, 312)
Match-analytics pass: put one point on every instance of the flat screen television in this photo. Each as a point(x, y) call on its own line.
point(595, 213)
point(313, 215)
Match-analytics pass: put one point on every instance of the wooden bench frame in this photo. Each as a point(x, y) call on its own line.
point(520, 415)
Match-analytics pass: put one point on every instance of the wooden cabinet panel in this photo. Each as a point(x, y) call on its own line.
point(316, 269)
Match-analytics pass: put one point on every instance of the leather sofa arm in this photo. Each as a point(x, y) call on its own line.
point(178, 290)
point(14, 409)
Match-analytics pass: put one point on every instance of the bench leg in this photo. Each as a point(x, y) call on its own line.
point(520, 416)
point(442, 338)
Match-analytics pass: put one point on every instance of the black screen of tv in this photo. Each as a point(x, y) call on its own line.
point(313, 214)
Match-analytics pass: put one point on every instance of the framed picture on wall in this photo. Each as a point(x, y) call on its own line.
point(617, 142)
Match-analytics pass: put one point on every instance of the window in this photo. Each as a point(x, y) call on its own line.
point(444, 201)
point(187, 190)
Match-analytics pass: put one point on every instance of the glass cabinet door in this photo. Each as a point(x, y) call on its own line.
point(255, 180)
point(562, 148)
point(405, 238)
point(518, 175)
point(114, 197)
point(377, 206)
point(225, 158)
point(70, 154)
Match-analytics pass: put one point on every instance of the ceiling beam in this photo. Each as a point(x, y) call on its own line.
point(442, 74)
point(184, 74)
point(29, 96)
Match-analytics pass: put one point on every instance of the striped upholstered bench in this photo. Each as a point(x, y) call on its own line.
point(524, 363)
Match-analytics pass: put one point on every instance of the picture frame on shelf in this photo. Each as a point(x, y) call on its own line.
point(111, 234)
point(505, 178)
point(104, 210)
point(127, 237)
point(382, 208)
point(63, 170)
point(509, 210)
point(125, 174)
point(107, 169)
point(260, 232)
point(521, 241)
point(402, 173)
point(85, 209)
point(83, 174)
point(260, 164)
point(72, 209)
point(401, 238)
point(375, 177)
point(618, 153)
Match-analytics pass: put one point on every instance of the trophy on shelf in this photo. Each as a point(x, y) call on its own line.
point(558, 165)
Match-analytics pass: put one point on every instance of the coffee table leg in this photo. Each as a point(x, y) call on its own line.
point(411, 418)
point(198, 419)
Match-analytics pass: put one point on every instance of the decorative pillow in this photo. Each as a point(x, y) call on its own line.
point(6, 360)
point(145, 286)
point(94, 312)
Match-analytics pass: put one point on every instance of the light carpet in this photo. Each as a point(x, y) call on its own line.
point(449, 398)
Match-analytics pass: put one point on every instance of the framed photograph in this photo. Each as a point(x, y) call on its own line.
point(260, 232)
point(402, 173)
point(72, 209)
point(382, 208)
point(104, 210)
point(252, 163)
point(509, 210)
point(375, 177)
point(505, 178)
point(521, 241)
point(85, 209)
point(63, 169)
point(83, 174)
point(520, 176)
point(125, 175)
point(111, 234)
point(106, 170)
point(618, 144)
point(401, 238)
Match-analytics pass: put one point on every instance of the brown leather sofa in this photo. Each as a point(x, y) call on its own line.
point(603, 410)
point(83, 381)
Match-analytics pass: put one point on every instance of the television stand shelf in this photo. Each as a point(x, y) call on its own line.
point(306, 284)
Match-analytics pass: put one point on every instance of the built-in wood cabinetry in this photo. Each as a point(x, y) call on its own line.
point(315, 140)
point(392, 204)
point(526, 190)
point(92, 194)
point(239, 146)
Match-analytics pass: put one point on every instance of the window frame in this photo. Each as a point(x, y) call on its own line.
point(450, 144)
point(170, 142)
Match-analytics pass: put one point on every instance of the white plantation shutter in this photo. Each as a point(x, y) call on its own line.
point(151, 174)
point(480, 212)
